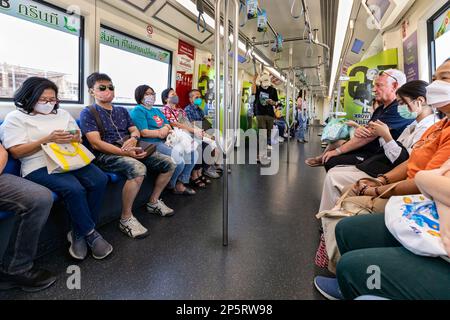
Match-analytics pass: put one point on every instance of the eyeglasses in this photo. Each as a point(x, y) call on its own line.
point(103, 87)
point(52, 101)
point(431, 137)
point(384, 72)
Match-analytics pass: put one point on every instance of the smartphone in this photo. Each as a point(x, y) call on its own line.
point(139, 150)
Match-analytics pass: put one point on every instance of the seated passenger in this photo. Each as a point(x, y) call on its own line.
point(430, 152)
point(38, 121)
point(197, 117)
point(367, 143)
point(412, 103)
point(154, 128)
point(126, 160)
point(365, 241)
point(31, 203)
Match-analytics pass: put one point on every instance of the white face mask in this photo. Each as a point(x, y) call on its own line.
point(149, 101)
point(438, 94)
point(45, 108)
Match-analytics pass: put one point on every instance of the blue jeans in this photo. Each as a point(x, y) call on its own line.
point(185, 163)
point(31, 203)
point(82, 191)
point(300, 133)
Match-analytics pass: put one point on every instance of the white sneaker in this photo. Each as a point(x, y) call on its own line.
point(280, 139)
point(133, 228)
point(212, 173)
point(269, 147)
point(160, 209)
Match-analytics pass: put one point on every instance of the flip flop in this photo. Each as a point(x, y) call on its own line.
point(314, 162)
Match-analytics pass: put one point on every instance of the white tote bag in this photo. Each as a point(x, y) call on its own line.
point(414, 221)
point(62, 158)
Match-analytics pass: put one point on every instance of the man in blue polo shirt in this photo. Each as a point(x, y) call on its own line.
point(367, 143)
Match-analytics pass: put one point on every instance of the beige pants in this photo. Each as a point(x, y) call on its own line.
point(335, 181)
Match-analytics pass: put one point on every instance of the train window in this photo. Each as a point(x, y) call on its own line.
point(439, 37)
point(131, 62)
point(39, 39)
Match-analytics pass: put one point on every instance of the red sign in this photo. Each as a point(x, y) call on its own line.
point(149, 30)
point(185, 71)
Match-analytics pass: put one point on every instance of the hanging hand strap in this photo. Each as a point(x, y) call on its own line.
point(201, 19)
point(293, 9)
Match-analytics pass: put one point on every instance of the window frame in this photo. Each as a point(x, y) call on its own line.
point(431, 40)
point(169, 79)
point(81, 59)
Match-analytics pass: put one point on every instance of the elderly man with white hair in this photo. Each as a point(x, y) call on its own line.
point(266, 97)
point(366, 143)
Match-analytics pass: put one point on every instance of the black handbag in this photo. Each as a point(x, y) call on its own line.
point(150, 148)
point(379, 163)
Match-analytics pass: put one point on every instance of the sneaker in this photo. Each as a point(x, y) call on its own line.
point(31, 281)
point(328, 287)
point(269, 147)
point(280, 139)
point(212, 173)
point(100, 248)
point(78, 247)
point(133, 228)
point(160, 209)
point(265, 160)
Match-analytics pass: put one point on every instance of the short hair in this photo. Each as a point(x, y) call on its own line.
point(140, 91)
point(397, 74)
point(192, 91)
point(413, 89)
point(165, 95)
point(27, 96)
point(95, 77)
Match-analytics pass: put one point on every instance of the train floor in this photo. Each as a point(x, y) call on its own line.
point(272, 242)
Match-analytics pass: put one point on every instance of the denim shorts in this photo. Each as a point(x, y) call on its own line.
point(132, 168)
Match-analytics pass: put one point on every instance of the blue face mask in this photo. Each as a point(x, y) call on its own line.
point(404, 112)
point(198, 102)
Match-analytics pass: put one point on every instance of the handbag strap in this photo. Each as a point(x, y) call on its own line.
point(101, 129)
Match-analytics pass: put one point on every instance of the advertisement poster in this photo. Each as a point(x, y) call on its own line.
point(245, 105)
point(358, 90)
point(410, 56)
point(185, 71)
point(205, 84)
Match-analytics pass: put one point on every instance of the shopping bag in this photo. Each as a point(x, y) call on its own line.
point(335, 130)
point(62, 158)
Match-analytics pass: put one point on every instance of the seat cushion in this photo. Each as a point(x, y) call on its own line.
point(12, 166)
point(5, 214)
point(114, 178)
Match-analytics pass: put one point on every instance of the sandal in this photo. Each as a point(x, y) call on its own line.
point(187, 192)
point(197, 183)
point(314, 162)
point(205, 179)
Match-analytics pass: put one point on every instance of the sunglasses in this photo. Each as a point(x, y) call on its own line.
point(383, 72)
point(103, 87)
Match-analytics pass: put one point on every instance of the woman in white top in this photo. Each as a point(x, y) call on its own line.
point(412, 104)
point(38, 121)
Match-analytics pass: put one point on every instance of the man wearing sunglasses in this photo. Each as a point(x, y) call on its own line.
point(366, 143)
point(127, 159)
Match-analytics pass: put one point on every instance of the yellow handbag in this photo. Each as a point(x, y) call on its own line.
point(62, 158)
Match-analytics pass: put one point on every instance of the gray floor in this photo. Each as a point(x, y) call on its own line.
point(273, 238)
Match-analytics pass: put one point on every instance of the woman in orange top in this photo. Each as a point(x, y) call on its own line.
point(430, 152)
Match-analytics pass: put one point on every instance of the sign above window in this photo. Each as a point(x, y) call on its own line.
point(42, 14)
point(442, 24)
point(120, 41)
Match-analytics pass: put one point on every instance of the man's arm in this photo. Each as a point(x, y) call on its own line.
point(3, 158)
point(99, 145)
point(254, 83)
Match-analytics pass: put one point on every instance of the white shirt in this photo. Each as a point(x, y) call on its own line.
point(408, 138)
point(20, 128)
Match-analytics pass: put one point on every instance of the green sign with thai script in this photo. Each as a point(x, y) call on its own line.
point(123, 42)
point(44, 15)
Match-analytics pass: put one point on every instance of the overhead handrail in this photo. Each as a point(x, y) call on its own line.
point(200, 19)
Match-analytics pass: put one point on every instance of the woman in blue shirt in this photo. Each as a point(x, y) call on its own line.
point(155, 128)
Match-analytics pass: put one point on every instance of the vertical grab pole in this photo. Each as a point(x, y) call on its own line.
point(230, 106)
point(288, 112)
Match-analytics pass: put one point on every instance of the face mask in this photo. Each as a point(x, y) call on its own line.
point(438, 94)
point(45, 108)
point(404, 112)
point(149, 101)
point(174, 100)
point(105, 96)
point(198, 102)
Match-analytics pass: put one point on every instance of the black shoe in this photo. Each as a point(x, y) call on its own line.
point(30, 281)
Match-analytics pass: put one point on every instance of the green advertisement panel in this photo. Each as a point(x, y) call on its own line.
point(245, 104)
point(358, 90)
